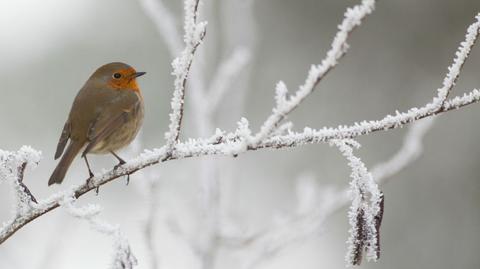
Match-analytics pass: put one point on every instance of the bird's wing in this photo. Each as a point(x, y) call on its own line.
point(63, 140)
point(110, 120)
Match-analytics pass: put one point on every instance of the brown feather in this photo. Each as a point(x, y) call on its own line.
point(63, 140)
point(59, 173)
point(108, 129)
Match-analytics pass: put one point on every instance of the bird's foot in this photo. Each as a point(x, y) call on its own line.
point(89, 181)
point(120, 163)
point(90, 177)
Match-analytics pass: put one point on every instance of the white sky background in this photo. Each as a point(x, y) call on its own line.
point(29, 29)
point(397, 60)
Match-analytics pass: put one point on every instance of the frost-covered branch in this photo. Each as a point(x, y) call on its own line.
point(228, 144)
point(284, 104)
point(164, 21)
point(460, 58)
point(123, 257)
point(366, 210)
point(353, 18)
point(12, 170)
point(194, 34)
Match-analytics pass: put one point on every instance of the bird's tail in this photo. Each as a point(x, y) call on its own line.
point(59, 173)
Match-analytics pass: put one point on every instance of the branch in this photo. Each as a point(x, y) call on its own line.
point(228, 146)
point(309, 136)
point(353, 18)
point(365, 208)
point(461, 57)
point(194, 34)
point(22, 187)
point(164, 21)
point(12, 169)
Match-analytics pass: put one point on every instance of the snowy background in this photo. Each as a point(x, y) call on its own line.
point(397, 60)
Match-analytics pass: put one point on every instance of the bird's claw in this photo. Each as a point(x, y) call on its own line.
point(89, 181)
point(122, 162)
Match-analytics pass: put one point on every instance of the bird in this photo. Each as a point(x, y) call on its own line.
point(105, 116)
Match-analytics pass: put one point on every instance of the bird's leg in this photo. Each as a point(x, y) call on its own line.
point(120, 163)
point(120, 160)
point(91, 175)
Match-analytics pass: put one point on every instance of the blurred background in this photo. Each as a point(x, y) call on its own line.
point(397, 60)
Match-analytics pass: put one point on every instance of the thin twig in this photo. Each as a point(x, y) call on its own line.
point(460, 59)
point(21, 173)
point(194, 34)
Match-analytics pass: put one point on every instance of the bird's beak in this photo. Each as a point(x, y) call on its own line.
point(138, 74)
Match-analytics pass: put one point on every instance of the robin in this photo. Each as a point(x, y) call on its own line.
point(106, 115)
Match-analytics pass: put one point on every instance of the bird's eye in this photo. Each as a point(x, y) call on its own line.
point(117, 75)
